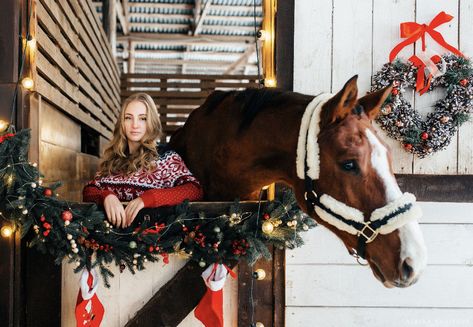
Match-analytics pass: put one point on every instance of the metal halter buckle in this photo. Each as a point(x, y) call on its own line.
point(369, 238)
point(306, 195)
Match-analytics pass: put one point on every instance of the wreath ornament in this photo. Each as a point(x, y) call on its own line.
point(424, 73)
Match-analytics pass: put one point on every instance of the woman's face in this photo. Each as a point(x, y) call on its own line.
point(135, 121)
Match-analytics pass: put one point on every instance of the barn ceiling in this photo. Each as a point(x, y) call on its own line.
point(187, 36)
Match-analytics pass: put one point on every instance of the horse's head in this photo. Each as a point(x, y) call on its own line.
point(357, 178)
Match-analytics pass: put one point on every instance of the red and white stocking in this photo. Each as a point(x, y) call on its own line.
point(210, 309)
point(89, 309)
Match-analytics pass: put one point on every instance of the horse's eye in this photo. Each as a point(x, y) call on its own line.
point(349, 166)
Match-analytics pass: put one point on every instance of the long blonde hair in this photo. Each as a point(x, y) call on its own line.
point(117, 158)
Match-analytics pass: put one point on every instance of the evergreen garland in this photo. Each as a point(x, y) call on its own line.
point(403, 123)
point(82, 234)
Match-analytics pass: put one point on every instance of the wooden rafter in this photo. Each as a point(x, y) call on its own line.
point(168, 38)
point(122, 15)
point(202, 16)
point(241, 61)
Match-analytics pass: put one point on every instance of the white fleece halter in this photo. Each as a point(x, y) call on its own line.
point(308, 133)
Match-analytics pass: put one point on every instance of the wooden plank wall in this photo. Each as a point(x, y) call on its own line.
point(355, 37)
point(324, 285)
point(177, 95)
point(76, 71)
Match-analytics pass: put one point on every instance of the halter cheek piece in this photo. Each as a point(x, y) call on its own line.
point(383, 220)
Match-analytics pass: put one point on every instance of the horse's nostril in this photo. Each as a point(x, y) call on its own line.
point(407, 271)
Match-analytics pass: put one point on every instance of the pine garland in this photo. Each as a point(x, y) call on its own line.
point(403, 123)
point(82, 234)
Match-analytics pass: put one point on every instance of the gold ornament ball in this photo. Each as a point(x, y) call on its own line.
point(267, 227)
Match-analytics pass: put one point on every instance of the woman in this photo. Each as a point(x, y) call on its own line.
point(133, 170)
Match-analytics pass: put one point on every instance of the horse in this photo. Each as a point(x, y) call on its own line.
point(331, 156)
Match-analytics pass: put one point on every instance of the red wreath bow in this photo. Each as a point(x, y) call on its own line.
point(414, 31)
point(422, 86)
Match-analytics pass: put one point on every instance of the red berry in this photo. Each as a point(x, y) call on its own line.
point(47, 225)
point(46, 232)
point(395, 92)
point(151, 249)
point(66, 215)
point(47, 192)
point(424, 136)
point(101, 247)
point(42, 218)
point(464, 82)
point(408, 146)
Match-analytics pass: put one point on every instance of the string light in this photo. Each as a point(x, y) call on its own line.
point(6, 231)
point(269, 82)
point(262, 35)
point(259, 274)
point(27, 83)
point(3, 126)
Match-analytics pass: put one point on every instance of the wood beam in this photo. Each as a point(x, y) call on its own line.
point(131, 57)
point(203, 15)
point(243, 60)
point(164, 38)
point(109, 21)
point(122, 17)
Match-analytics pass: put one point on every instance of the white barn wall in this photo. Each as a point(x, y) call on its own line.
point(324, 285)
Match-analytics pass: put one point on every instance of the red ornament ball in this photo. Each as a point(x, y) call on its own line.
point(464, 82)
point(395, 92)
point(46, 232)
point(47, 192)
point(66, 215)
point(408, 146)
point(266, 216)
point(42, 218)
point(424, 136)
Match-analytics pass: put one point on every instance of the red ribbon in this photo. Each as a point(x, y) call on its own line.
point(413, 31)
point(421, 85)
point(6, 136)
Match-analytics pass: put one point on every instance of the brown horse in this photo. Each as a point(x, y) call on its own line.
point(239, 141)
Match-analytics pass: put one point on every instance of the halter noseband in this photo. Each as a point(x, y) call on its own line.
point(383, 220)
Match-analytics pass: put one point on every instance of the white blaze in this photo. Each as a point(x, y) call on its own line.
point(410, 235)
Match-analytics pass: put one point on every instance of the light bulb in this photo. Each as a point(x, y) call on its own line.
point(259, 274)
point(3, 126)
point(269, 82)
point(27, 83)
point(6, 231)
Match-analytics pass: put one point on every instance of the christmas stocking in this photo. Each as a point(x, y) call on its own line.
point(210, 309)
point(89, 309)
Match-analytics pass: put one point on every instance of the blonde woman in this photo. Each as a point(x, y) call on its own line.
point(134, 170)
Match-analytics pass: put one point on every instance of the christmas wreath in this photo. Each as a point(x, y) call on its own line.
point(81, 233)
point(403, 123)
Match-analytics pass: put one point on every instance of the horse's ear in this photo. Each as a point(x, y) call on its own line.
point(340, 105)
point(372, 102)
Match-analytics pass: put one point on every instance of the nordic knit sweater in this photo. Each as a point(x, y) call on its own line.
point(169, 183)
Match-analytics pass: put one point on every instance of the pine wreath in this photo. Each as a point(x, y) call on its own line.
point(403, 123)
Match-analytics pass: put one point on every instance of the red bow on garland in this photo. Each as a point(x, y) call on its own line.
point(422, 86)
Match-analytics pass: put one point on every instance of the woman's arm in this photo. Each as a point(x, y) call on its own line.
point(171, 196)
point(92, 193)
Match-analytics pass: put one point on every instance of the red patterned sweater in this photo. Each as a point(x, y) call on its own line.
point(169, 183)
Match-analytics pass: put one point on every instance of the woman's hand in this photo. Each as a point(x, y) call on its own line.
point(132, 210)
point(114, 210)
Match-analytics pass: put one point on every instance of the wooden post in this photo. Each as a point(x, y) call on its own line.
point(9, 18)
point(109, 21)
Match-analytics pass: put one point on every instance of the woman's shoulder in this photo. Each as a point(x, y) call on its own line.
point(165, 152)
